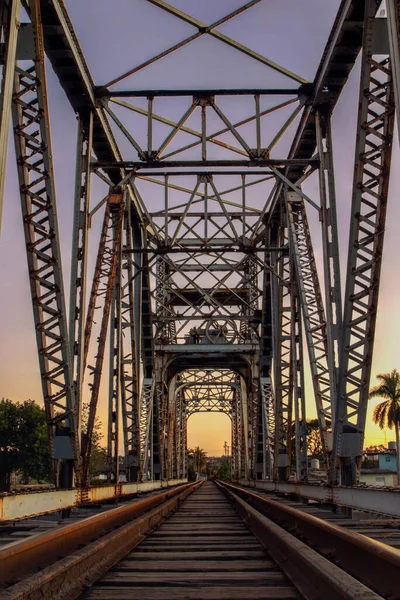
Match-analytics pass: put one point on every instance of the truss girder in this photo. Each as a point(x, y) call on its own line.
point(115, 365)
point(79, 259)
point(368, 214)
point(9, 15)
point(128, 356)
point(106, 269)
point(30, 115)
point(324, 380)
point(283, 367)
point(268, 415)
point(208, 278)
point(299, 401)
point(146, 417)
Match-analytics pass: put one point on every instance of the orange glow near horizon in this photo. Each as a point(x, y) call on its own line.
point(209, 431)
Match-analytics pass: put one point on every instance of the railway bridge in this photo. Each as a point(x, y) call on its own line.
point(208, 213)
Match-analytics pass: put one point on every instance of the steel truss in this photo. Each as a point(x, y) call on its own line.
point(205, 267)
point(30, 115)
point(368, 214)
point(106, 288)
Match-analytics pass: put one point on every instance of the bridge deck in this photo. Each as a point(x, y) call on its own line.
point(203, 552)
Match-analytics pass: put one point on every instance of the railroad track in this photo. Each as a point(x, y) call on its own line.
point(198, 542)
point(377, 527)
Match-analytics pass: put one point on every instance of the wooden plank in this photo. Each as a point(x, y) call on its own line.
point(153, 547)
point(205, 593)
point(195, 565)
point(226, 577)
point(225, 554)
point(228, 536)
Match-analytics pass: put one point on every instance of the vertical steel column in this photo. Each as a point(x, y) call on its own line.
point(245, 429)
point(330, 247)
point(300, 423)
point(266, 356)
point(313, 312)
point(158, 429)
point(283, 371)
point(254, 421)
point(129, 377)
point(9, 24)
point(39, 211)
point(115, 366)
point(170, 454)
point(108, 258)
point(80, 247)
point(146, 419)
point(375, 128)
point(268, 415)
point(235, 443)
point(178, 432)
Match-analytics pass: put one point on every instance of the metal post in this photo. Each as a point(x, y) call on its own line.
point(80, 247)
point(313, 312)
point(9, 25)
point(330, 247)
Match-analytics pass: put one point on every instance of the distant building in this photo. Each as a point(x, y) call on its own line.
point(379, 469)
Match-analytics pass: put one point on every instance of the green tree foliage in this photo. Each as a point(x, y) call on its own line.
point(314, 442)
point(225, 470)
point(98, 455)
point(23, 442)
point(387, 413)
point(98, 460)
point(197, 462)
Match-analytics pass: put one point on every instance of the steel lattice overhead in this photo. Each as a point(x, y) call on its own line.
point(206, 290)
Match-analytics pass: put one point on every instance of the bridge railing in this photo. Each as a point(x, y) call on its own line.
point(19, 506)
point(384, 501)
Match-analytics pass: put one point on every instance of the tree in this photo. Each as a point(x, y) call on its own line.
point(98, 454)
point(225, 470)
point(387, 413)
point(98, 460)
point(314, 443)
point(197, 461)
point(23, 442)
point(200, 460)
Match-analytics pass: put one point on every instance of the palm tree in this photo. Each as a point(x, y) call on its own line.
point(387, 413)
point(200, 459)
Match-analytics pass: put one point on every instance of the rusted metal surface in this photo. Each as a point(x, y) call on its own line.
point(20, 506)
point(27, 555)
point(372, 562)
point(383, 501)
point(313, 575)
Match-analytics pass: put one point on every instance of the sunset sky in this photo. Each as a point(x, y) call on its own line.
point(118, 35)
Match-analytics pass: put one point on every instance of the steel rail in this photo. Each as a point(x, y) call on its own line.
point(105, 537)
point(375, 564)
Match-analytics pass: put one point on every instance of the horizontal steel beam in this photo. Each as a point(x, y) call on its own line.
point(202, 173)
point(102, 92)
point(165, 164)
point(382, 501)
point(22, 506)
point(214, 249)
point(194, 349)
